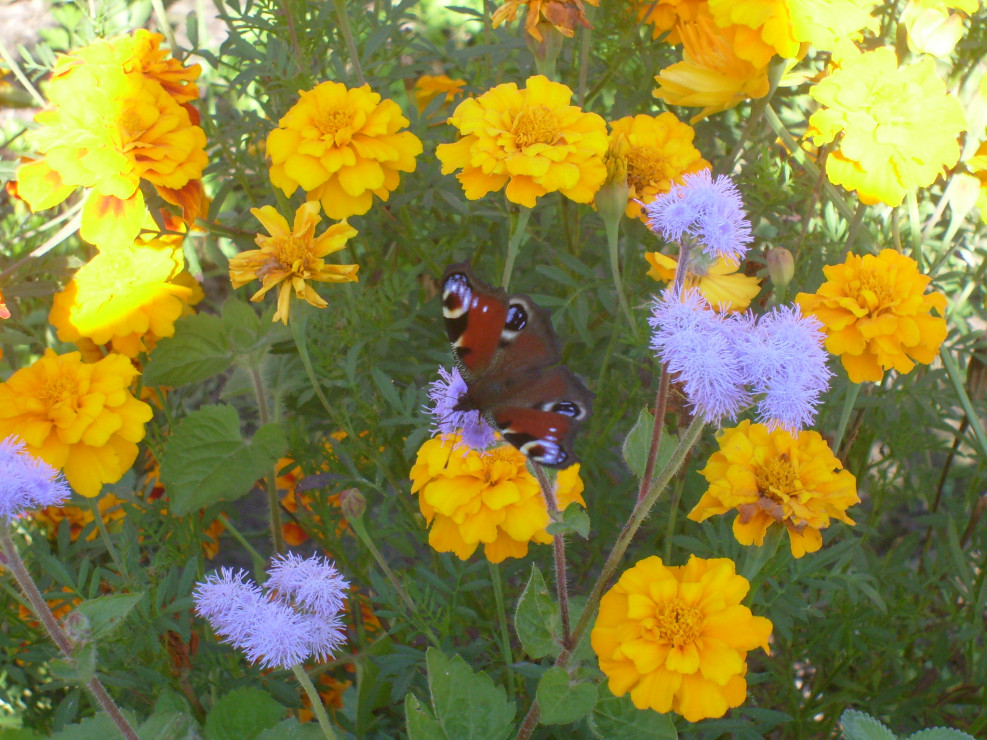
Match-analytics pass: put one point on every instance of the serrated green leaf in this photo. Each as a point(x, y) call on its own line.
point(420, 722)
point(536, 619)
point(940, 733)
point(242, 714)
point(467, 705)
point(199, 350)
point(100, 727)
point(861, 726)
point(618, 717)
point(169, 726)
point(241, 325)
point(106, 613)
point(81, 668)
point(562, 703)
point(291, 729)
point(205, 460)
point(637, 444)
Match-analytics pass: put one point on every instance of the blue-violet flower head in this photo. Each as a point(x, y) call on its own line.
point(445, 394)
point(27, 482)
point(310, 584)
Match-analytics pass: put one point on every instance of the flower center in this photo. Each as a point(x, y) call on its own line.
point(776, 479)
point(872, 291)
point(335, 123)
point(293, 253)
point(674, 622)
point(58, 391)
point(645, 166)
point(535, 125)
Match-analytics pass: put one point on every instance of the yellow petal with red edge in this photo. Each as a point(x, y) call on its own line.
point(109, 222)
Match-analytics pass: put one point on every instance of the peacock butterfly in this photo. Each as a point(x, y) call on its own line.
point(508, 355)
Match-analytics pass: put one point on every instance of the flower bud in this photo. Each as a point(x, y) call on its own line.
point(611, 198)
point(352, 503)
point(781, 266)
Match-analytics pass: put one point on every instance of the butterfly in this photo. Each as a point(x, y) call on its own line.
point(509, 357)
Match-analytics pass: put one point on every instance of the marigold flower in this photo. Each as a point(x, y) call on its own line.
point(931, 28)
point(128, 298)
point(292, 255)
point(530, 140)
point(470, 498)
point(429, 87)
point(899, 126)
point(665, 16)
point(876, 315)
point(720, 283)
point(342, 147)
point(775, 477)
point(977, 164)
point(78, 417)
point(50, 517)
point(4, 311)
point(659, 152)
point(26, 482)
point(565, 15)
point(677, 637)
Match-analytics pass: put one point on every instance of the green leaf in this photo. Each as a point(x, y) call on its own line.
point(291, 729)
point(467, 705)
point(169, 726)
point(561, 702)
point(940, 733)
point(421, 724)
point(100, 727)
point(618, 717)
point(107, 613)
point(574, 519)
point(81, 668)
point(199, 350)
point(537, 619)
point(20, 733)
point(861, 726)
point(206, 460)
point(242, 715)
point(242, 326)
point(637, 444)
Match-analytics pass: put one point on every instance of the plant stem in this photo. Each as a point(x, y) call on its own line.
point(271, 479)
point(848, 402)
point(518, 225)
point(613, 240)
point(344, 28)
point(505, 637)
point(558, 546)
point(316, 701)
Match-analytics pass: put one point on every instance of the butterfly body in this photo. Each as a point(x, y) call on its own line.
point(509, 357)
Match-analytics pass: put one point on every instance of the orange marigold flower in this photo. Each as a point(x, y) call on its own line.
point(775, 477)
point(342, 147)
point(721, 285)
point(470, 498)
point(429, 87)
point(664, 16)
point(565, 15)
point(292, 255)
point(128, 298)
point(50, 517)
point(876, 314)
point(898, 128)
point(677, 637)
point(78, 417)
point(530, 140)
point(4, 311)
point(659, 151)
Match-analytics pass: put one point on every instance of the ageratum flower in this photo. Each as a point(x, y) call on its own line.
point(658, 152)
point(530, 140)
point(342, 147)
point(26, 482)
point(876, 314)
point(469, 498)
point(895, 128)
point(776, 477)
point(445, 394)
point(292, 255)
point(78, 417)
point(676, 637)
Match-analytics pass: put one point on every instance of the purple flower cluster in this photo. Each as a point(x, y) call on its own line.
point(445, 394)
point(707, 210)
point(295, 617)
point(725, 361)
point(27, 482)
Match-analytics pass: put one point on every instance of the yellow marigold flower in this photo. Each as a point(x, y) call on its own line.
point(876, 315)
point(664, 16)
point(342, 147)
point(470, 498)
point(429, 87)
point(977, 164)
point(722, 285)
point(130, 128)
point(78, 417)
point(899, 126)
point(776, 478)
point(292, 255)
point(712, 74)
point(677, 637)
point(50, 517)
point(128, 298)
point(530, 140)
point(565, 15)
point(659, 151)
point(931, 28)
point(138, 53)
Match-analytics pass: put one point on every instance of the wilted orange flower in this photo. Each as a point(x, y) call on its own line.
point(80, 418)
point(429, 87)
point(530, 140)
point(896, 129)
point(341, 147)
point(470, 498)
point(289, 476)
point(876, 314)
point(565, 15)
point(775, 477)
point(292, 255)
point(50, 517)
point(677, 637)
point(659, 151)
point(722, 286)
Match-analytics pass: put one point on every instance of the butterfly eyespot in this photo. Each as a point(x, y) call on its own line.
point(456, 294)
point(517, 318)
point(545, 453)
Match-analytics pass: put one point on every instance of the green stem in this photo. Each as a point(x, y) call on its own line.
point(758, 108)
point(519, 224)
point(259, 563)
point(613, 239)
point(161, 16)
point(848, 402)
point(313, 696)
point(505, 636)
point(558, 548)
point(347, 31)
point(956, 378)
point(271, 479)
point(15, 68)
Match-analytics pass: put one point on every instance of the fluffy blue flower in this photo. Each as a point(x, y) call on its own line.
point(445, 394)
point(312, 584)
point(707, 210)
point(27, 482)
